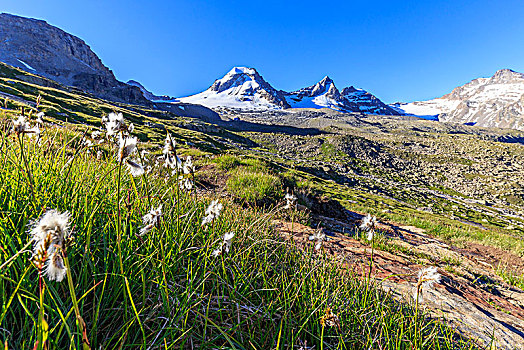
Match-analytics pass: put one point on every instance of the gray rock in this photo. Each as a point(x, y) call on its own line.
point(40, 48)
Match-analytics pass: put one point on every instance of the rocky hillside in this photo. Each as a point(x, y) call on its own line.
point(40, 48)
point(148, 94)
point(497, 101)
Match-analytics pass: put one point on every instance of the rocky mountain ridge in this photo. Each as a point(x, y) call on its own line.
point(40, 48)
point(148, 94)
point(497, 101)
point(244, 88)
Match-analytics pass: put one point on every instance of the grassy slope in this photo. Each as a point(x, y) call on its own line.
point(172, 292)
point(394, 200)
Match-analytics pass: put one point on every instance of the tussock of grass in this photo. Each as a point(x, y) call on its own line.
point(229, 162)
point(165, 289)
point(253, 186)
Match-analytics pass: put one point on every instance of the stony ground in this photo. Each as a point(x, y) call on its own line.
point(471, 296)
point(445, 175)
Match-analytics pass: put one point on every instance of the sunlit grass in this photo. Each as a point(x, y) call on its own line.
point(165, 289)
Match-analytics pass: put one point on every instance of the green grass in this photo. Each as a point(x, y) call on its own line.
point(165, 289)
point(253, 186)
point(511, 277)
point(228, 162)
point(388, 209)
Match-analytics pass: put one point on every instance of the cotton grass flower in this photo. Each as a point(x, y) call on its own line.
point(188, 168)
point(50, 235)
point(87, 143)
point(127, 146)
point(134, 168)
point(291, 201)
point(114, 123)
point(96, 135)
point(212, 212)
point(151, 220)
point(35, 130)
point(225, 245)
point(40, 118)
point(171, 159)
point(426, 279)
point(368, 225)
point(370, 235)
point(319, 237)
point(169, 145)
point(22, 126)
point(185, 184)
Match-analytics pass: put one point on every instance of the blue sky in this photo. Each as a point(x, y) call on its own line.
point(398, 50)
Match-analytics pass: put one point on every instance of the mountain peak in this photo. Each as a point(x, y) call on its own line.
point(504, 71)
point(244, 88)
point(497, 101)
point(326, 80)
point(504, 75)
point(349, 90)
point(242, 70)
point(241, 87)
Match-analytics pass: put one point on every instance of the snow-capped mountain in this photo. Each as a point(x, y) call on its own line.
point(323, 94)
point(241, 88)
point(497, 101)
point(244, 88)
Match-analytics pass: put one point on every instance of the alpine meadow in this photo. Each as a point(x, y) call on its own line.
point(245, 216)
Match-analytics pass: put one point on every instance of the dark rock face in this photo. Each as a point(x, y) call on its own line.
point(363, 101)
point(39, 48)
point(148, 94)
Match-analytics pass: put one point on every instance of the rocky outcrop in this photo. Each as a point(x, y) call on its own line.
point(40, 48)
point(148, 94)
point(365, 102)
point(471, 297)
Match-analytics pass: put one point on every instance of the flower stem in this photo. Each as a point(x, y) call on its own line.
point(119, 232)
point(79, 320)
point(416, 314)
point(26, 164)
point(41, 326)
point(119, 221)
